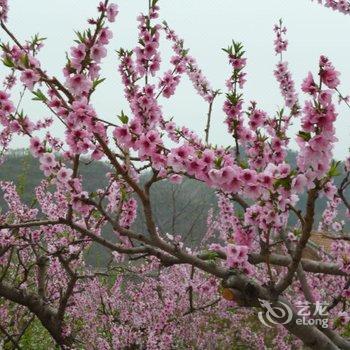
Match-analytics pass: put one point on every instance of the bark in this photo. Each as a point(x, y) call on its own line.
point(37, 306)
point(248, 292)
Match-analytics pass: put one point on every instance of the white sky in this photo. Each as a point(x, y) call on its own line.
point(207, 26)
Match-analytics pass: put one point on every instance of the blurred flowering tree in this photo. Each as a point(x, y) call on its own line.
point(157, 293)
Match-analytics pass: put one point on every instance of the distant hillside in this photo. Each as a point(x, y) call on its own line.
point(179, 209)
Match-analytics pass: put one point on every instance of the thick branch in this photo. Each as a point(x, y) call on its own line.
point(306, 233)
point(37, 306)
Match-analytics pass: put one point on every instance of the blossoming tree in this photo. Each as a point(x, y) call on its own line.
point(157, 293)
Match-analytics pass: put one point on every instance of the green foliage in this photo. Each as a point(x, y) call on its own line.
point(25, 60)
point(8, 62)
point(39, 96)
point(123, 117)
point(334, 170)
point(37, 338)
point(97, 82)
point(306, 136)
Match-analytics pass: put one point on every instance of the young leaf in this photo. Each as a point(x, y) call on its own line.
point(39, 96)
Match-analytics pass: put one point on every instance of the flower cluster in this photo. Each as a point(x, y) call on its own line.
point(184, 62)
point(318, 135)
point(4, 8)
point(286, 82)
point(237, 258)
point(168, 84)
point(147, 55)
point(84, 63)
point(282, 73)
point(329, 76)
point(21, 59)
point(233, 105)
point(329, 221)
point(280, 42)
point(342, 6)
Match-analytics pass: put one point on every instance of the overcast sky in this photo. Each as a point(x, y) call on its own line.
point(206, 26)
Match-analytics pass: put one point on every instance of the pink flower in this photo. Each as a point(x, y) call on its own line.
point(6, 106)
point(227, 174)
point(248, 177)
point(79, 84)
point(325, 97)
point(257, 118)
point(309, 85)
point(237, 255)
point(182, 152)
point(105, 36)
point(78, 54)
point(48, 159)
point(298, 183)
point(97, 154)
point(265, 180)
point(283, 170)
point(318, 143)
point(194, 166)
point(215, 176)
point(36, 147)
point(3, 10)
point(150, 49)
point(122, 135)
point(4, 96)
point(145, 146)
point(98, 52)
point(208, 156)
point(112, 12)
point(47, 163)
point(29, 78)
point(330, 76)
point(64, 175)
point(330, 190)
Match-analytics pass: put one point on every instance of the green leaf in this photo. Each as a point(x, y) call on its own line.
point(39, 96)
point(80, 36)
point(218, 162)
point(334, 171)
point(97, 215)
point(123, 118)
point(234, 98)
point(243, 164)
point(304, 135)
point(286, 183)
point(8, 62)
point(97, 82)
point(123, 194)
point(184, 52)
point(297, 232)
point(153, 30)
point(25, 61)
point(211, 255)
